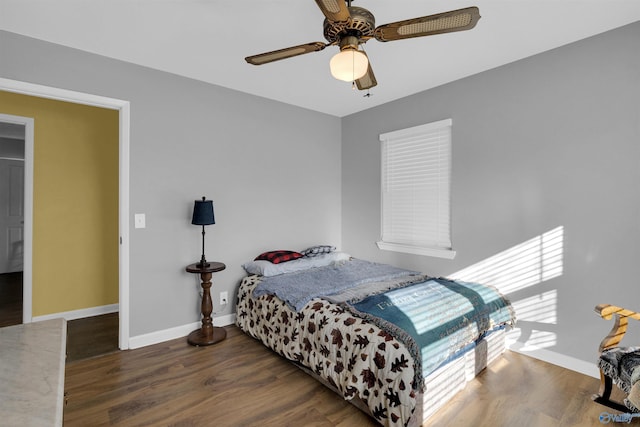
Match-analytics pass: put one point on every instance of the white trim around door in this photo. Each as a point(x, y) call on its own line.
point(27, 231)
point(123, 108)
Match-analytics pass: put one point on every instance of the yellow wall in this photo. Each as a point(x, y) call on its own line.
point(75, 206)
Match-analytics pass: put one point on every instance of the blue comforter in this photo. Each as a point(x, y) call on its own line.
point(438, 317)
point(297, 289)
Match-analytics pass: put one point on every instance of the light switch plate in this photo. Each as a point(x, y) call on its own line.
point(139, 220)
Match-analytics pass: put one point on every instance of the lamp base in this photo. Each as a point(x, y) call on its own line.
point(200, 338)
point(203, 261)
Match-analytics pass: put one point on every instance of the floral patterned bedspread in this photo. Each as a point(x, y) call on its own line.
point(356, 357)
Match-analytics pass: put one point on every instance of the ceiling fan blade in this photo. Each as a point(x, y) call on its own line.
point(285, 53)
point(334, 10)
point(455, 20)
point(368, 80)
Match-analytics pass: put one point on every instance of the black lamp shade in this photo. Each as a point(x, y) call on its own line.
point(203, 212)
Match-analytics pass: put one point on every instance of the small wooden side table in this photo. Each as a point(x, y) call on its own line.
point(207, 334)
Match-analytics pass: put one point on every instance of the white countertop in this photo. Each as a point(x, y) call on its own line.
point(32, 360)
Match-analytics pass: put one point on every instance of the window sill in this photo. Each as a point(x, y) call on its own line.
point(415, 250)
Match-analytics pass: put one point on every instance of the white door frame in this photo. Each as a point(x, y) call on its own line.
point(27, 229)
point(123, 108)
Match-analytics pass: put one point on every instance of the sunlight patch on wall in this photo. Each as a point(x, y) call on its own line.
point(524, 265)
point(538, 308)
point(516, 271)
point(534, 339)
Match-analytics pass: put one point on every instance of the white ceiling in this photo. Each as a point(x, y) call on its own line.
point(208, 39)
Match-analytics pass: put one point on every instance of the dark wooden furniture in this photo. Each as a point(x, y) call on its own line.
point(620, 318)
point(207, 334)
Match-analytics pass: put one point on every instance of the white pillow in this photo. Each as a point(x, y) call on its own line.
point(267, 268)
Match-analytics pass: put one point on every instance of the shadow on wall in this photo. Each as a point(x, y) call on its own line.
point(514, 272)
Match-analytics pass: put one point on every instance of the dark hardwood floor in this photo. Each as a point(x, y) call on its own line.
point(10, 299)
point(92, 336)
point(238, 382)
point(87, 337)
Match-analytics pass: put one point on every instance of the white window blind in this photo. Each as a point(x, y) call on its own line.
point(416, 182)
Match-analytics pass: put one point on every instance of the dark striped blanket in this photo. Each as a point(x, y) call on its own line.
point(436, 318)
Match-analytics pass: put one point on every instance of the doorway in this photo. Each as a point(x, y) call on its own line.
point(12, 159)
point(12, 190)
point(88, 334)
point(123, 109)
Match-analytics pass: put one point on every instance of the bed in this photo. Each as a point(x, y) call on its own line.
point(395, 343)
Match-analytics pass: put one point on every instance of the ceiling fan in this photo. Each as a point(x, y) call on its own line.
point(349, 27)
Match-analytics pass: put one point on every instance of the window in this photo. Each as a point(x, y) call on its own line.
point(416, 181)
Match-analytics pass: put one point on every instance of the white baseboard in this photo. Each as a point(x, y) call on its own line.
point(549, 356)
point(557, 359)
point(177, 332)
point(552, 357)
point(79, 314)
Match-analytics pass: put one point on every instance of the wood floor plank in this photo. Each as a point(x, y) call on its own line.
point(239, 382)
point(92, 336)
point(10, 299)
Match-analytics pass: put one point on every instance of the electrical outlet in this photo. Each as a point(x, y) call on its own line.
point(224, 298)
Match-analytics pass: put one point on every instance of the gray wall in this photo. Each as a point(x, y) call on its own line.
point(550, 141)
point(546, 142)
point(12, 148)
point(272, 170)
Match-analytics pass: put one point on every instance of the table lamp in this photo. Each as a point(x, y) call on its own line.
point(203, 215)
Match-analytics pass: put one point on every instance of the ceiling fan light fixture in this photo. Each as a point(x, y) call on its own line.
point(349, 65)
point(350, 27)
